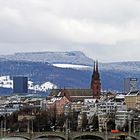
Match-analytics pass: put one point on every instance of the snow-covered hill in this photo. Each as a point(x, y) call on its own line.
point(72, 57)
point(6, 82)
point(128, 66)
point(116, 66)
point(64, 69)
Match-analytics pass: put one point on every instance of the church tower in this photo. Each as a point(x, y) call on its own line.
point(95, 81)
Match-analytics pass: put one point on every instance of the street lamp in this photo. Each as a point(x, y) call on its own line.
point(4, 126)
point(1, 133)
point(66, 113)
point(105, 116)
point(28, 126)
point(106, 138)
point(32, 125)
point(129, 123)
point(134, 125)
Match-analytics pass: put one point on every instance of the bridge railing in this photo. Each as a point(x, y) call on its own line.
point(71, 134)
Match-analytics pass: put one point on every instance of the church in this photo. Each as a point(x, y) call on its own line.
point(73, 95)
point(95, 81)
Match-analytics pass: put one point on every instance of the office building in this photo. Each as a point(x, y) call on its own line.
point(20, 84)
point(130, 84)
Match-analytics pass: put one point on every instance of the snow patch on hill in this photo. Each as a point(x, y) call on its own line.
point(6, 82)
point(72, 66)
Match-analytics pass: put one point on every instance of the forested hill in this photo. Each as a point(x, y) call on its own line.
point(40, 72)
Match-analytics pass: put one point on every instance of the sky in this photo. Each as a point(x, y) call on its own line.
point(107, 30)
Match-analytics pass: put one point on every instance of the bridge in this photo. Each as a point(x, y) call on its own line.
point(72, 135)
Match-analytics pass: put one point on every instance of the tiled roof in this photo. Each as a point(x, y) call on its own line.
point(73, 94)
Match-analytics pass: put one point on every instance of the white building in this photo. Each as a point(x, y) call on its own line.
point(121, 115)
point(104, 109)
point(108, 107)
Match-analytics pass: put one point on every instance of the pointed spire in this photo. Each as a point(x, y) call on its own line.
point(97, 66)
point(94, 67)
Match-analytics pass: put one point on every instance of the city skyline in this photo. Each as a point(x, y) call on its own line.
point(104, 30)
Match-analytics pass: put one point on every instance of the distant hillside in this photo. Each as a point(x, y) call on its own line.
point(129, 66)
point(40, 72)
point(65, 72)
point(73, 57)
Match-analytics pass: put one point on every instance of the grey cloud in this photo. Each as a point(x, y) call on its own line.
point(93, 26)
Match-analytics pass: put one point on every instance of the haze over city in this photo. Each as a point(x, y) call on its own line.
point(105, 30)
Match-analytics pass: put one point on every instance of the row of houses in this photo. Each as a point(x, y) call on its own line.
point(118, 107)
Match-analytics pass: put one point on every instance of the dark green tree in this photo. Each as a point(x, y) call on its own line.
point(73, 120)
point(95, 122)
point(84, 121)
point(110, 124)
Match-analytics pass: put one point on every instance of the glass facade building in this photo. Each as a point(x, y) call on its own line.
point(20, 84)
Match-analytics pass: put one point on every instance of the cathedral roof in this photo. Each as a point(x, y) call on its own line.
point(74, 94)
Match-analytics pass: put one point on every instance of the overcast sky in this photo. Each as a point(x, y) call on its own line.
point(108, 30)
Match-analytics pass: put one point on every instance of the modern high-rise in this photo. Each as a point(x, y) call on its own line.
point(130, 84)
point(20, 85)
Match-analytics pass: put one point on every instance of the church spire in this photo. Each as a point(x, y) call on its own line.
point(96, 66)
point(94, 69)
point(95, 81)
